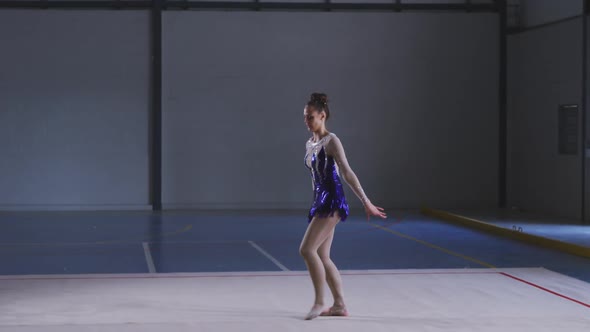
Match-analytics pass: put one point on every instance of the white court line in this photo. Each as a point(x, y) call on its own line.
point(188, 275)
point(148, 258)
point(246, 274)
point(269, 256)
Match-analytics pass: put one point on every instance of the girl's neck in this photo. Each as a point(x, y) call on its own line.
point(318, 135)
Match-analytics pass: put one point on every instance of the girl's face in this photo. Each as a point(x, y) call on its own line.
point(313, 119)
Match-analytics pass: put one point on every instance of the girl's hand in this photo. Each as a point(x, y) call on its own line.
point(373, 210)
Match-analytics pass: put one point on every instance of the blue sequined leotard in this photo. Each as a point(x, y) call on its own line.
point(326, 159)
point(328, 191)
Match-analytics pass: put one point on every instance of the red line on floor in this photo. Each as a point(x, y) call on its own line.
point(545, 289)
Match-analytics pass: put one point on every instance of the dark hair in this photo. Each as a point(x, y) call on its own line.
point(320, 102)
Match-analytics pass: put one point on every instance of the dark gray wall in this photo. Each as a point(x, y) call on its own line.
point(414, 101)
point(545, 71)
point(74, 98)
point(536, 12)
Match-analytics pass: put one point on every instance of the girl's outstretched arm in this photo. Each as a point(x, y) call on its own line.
point(335, 149)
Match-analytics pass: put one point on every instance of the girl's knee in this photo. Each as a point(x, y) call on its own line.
point(325, 259)
point(307, 252)
point(304, 252)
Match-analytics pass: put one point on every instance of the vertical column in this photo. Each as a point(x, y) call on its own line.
point(156, 106)
point(585, 96)
point(502, 104)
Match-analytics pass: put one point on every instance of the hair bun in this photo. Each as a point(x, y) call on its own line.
point(320, 102)
point(320, 98)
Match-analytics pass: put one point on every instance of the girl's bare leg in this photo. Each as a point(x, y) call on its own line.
point(317, 232)
point(332, 275)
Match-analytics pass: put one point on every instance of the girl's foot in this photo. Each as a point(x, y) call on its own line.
point(315, 311)
point(335, 311)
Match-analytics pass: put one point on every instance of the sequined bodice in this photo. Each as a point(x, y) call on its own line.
point(324, 169)
point(328, 194)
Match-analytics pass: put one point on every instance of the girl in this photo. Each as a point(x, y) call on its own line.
point(325, 158)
